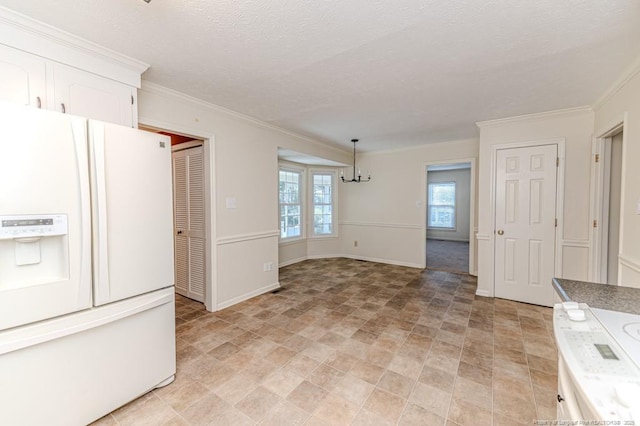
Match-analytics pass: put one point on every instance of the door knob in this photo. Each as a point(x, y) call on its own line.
point(179, 232)
point(500, 232)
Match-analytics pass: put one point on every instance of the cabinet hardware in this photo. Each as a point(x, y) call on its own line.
point(500, 232)
point(39, 101)
point(64, 109)
point(179, 232)
point(560, 399)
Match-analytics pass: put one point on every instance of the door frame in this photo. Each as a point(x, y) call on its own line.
point(211, 288)
point(560, 143)
point(600, 199)
point(473, 268)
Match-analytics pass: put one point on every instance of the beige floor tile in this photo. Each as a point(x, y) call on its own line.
point(258, 403)
point(379, 357)
point(366, 371)
point(414, 415)
point(307, 396)
point(303, 365)
point(367, 418)
point(484, 376)
point(472, 392)
point(285, 413)
point(147, 410)
point(385, 404)
point(205, 410)
point(430, 398)
point(353, 389)
point(318, 351)
point(437, 378)
point(508, 403)
point(326, 377)
point(176, 420)
point(465, 414)
point(396, 383)
point(341, 361)
point(336, 410)
point(282, 381)
point(231, 416)
point(236, 388)
point(182, 397)
point(406, 366)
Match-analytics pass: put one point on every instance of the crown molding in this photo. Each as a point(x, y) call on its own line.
point(22, 32)
point(627, 76)
point(535, 116)
point(165, 91)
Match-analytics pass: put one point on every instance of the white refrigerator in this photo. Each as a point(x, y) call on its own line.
point(86, 266)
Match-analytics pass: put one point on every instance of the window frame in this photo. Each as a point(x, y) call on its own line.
point(301, 201)
point(334, 202)
point(454, 205)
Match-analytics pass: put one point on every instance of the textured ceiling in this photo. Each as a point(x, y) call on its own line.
point(392, 73)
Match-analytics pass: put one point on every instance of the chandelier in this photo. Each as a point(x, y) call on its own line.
point(358, 178)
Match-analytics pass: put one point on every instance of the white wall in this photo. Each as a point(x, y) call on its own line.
point(623, 106)
point(245, 167)
point(576, 128)
point(387, 215)
point(462, 179)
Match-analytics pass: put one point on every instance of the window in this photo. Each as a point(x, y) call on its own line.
point(322, 203)
point(442, 205)
point(290, 207)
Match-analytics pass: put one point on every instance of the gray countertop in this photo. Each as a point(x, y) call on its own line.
point(603, 296)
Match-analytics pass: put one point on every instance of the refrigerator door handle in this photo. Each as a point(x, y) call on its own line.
point(102, 256)
point(79, 129)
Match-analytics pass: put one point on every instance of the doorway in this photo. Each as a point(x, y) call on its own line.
point(609, 158)
point(192, 221)
point(449, 217)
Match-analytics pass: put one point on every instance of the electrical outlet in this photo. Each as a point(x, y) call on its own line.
point(355, 243)
point(267, 267)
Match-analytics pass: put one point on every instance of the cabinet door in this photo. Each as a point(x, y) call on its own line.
point(22, 77)
point(82, 93)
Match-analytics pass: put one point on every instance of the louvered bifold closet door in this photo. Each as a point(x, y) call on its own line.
point(196, 219)
point(189, 202)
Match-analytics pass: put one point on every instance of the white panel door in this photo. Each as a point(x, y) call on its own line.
point(132, 211)
point(81, 93)
point(189, 205)
point(44, 175)
point(525, 223)
point(22, 78)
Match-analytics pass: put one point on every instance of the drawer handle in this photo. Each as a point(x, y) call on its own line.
point(64, 109)
point(39, 101)
point(560, 399)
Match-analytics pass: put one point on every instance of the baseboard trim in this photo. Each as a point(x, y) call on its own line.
point(292, 261)
point(483, 293)
point(248, 296)
point(386, 261)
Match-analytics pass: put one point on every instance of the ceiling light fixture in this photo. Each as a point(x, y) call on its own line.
point(358, 178)
point(147, 1)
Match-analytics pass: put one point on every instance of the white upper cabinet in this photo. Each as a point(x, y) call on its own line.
point(43, 67)
point(81, 93)
point(23, 78)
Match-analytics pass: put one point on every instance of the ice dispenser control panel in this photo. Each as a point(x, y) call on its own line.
point(26, 226)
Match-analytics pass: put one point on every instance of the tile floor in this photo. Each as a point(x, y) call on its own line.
point(348, 342)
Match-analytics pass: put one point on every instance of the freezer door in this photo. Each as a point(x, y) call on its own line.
point(45, 218)
point(132, 211)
